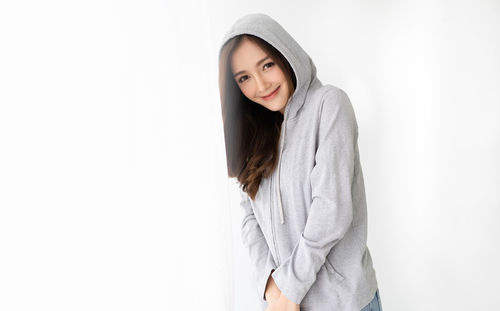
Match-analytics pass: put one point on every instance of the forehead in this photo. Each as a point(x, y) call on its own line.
point(246, 55)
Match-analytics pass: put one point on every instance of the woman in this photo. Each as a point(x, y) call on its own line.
point(292, 144)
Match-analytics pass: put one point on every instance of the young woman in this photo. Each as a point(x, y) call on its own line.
point(291, 142)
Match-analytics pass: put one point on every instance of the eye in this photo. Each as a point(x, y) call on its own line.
point(271, 63)
point(240, 79)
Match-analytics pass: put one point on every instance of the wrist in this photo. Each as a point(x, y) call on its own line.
point(272, 290)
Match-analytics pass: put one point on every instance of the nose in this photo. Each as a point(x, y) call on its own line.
point(262, 85)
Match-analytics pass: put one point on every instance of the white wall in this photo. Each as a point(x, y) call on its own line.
point(112, 186)
point(113, 194)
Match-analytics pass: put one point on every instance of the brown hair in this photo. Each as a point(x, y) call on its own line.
point(251, 131)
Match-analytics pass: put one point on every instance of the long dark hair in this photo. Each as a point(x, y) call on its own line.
point(251, 131)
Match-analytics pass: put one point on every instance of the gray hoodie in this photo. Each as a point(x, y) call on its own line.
point(309, 218)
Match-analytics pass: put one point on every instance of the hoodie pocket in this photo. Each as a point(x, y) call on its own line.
point(332, 270)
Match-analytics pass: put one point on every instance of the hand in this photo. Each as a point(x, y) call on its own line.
point(282, 304)
point(272, 290)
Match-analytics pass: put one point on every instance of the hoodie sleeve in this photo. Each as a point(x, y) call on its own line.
point(253, 239)
point(331, 210)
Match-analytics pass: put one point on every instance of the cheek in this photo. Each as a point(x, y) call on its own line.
point(247, 90)
point(278, 75)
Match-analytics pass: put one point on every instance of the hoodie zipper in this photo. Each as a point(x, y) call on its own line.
point(282, 143)
point(280, 206)
point(273, 231)
point(277, 182)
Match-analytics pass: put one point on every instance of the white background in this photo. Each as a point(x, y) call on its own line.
point(113, 186)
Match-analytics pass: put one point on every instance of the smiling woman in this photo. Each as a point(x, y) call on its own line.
point(292, 144)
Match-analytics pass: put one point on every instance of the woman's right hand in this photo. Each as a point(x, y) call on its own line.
point(272, 291)
point(282, 304)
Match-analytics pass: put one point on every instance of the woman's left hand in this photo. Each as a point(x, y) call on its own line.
point(283, 304)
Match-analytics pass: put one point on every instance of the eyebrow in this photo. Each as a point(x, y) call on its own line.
point(256, 65)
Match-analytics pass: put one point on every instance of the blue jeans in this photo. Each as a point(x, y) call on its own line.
point(375, 304)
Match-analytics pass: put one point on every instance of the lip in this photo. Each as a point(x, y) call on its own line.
point(272, 94)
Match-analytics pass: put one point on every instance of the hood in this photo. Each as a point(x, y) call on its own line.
point(266, 28)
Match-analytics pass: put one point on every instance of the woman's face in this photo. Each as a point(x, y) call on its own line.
point(258, 77)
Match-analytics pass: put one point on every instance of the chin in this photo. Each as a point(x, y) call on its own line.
point(273, 107)
point(278, 108)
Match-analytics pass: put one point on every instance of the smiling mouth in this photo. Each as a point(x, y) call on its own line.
point(271, 94)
